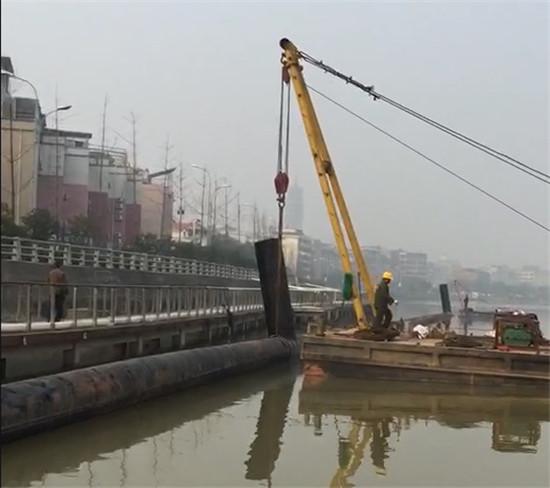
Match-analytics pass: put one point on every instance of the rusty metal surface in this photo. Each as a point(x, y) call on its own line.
point(425, 362)
point(37, 404)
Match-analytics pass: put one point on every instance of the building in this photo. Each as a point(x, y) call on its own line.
point(190, 231)
point(409, 265)
point(377, 260)
point(533, 275)
point(113, 206)
point(298, 253)
point(21, 125)
point(155, 197)
point(294, 211)
point(326, 266)
point(63, 174)
point(474, 280)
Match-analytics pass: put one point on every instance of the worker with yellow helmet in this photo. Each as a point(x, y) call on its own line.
point(382, 302)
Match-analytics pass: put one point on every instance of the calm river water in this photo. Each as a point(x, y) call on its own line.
point(273, 428)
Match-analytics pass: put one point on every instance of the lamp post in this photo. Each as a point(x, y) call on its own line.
point(239, 216)
point(37, 148)
point(216, 190)
point(254, 210)
point(58, 109)
point(205, 173)
point(56, 112)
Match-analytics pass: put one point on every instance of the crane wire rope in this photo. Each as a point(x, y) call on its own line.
point(430, 160)
point(281, 182)
point(525, 168)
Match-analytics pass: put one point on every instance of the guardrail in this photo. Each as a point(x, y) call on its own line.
point(32, 306)
point(28, 250)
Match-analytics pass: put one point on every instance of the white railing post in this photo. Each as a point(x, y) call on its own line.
point(94, 306)
point(16, 249)
point(28, 306)
point(67, 255)
point(109, 263)
point(75, 312)
point(51, 253)
point(34, 253)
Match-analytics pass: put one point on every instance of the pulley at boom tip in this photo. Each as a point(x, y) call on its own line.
point(284, 43)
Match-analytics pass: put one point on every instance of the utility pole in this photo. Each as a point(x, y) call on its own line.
point(180, 209)
point(202, 205)
point(12, 160)
point(167, 149)
point(134, 153)
point(239, 216)
point(254, 220)
point(209, 209)
point(57, 166)
point(102, 143)
point(225, 212)
point(213, 232)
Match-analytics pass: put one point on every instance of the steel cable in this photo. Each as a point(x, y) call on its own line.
point(430, 160)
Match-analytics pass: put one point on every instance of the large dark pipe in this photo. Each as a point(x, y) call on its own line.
point(122, 429)
point(34, 405)
point(266, 447)
point(278, 309)
point(445, 300)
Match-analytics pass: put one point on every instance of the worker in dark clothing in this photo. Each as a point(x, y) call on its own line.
point(58, 280)
point(382, 302)
point(466, 301)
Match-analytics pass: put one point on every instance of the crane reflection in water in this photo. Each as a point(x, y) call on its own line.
point(369, 414)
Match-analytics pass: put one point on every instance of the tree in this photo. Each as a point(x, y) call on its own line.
point(81, 229)
point(40, 224)
point(9, 227)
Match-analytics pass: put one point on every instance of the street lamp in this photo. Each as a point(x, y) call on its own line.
point(56, 112)
point(36, 137)
point(254, 218)
point(216, 190)
point(58, 109)
point(205, 173)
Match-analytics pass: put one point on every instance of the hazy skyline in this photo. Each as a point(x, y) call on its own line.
point(208, 74)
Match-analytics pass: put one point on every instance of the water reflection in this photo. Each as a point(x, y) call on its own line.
point(144, 424)
point(263, 429)
point(378, 411)
point(266, 446)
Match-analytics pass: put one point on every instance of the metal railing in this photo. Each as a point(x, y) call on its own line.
point(28, 250)
point(32, 306)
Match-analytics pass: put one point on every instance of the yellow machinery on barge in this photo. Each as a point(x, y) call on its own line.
point(408, 359)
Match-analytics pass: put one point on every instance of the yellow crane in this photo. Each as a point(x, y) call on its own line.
point(352, 457)
point(337, 209)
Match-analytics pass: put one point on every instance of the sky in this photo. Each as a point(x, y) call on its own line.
point(207, 74)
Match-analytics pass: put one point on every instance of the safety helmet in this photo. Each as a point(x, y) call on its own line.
point(387, 275)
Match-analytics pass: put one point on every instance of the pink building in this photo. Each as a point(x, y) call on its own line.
point(76, 180)
point(63, 172)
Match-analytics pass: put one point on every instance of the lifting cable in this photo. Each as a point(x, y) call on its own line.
point(525, 168)
point(430, 160)
point(281, 178)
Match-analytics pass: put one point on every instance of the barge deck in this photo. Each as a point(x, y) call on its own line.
point(424, 361)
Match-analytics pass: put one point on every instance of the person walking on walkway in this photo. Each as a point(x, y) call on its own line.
point(382, 302)
point(58, 280)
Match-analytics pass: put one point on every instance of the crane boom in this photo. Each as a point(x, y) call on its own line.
point(330, 187)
